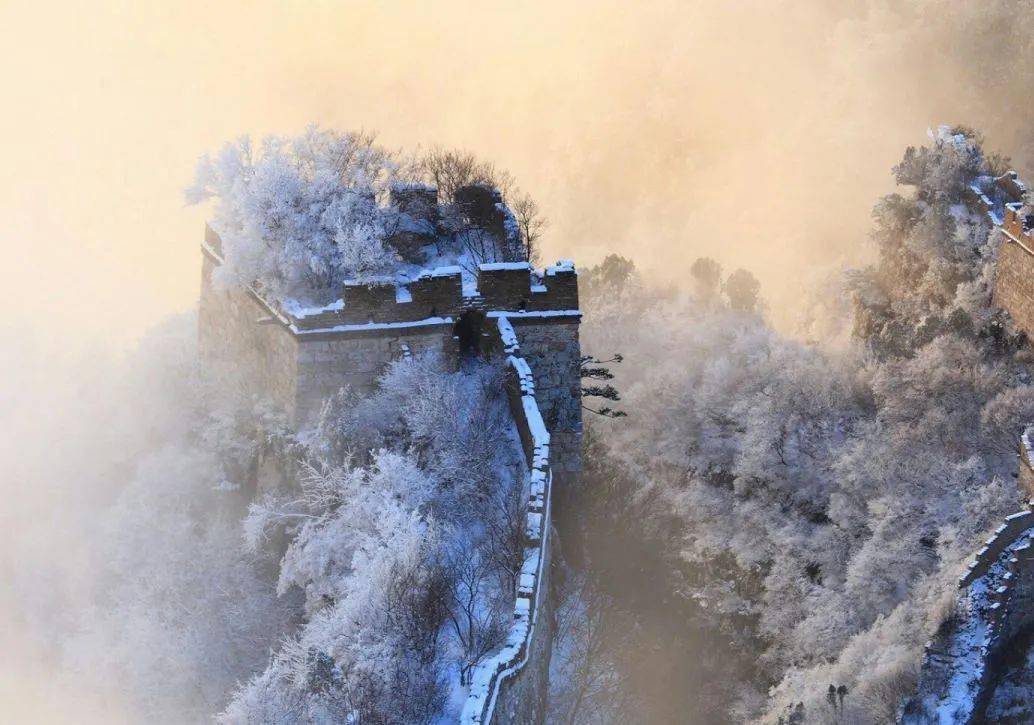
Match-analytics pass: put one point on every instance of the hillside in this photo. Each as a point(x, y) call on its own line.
point(816, 502)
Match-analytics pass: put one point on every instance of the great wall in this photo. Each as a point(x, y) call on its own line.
point(527, 318)
point(994, 610)
point(301, 355)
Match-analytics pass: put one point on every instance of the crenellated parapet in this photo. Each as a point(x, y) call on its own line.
point(441, 293)
point(435, 296)
point(1018, 225)
point(1004, 536)
point(995, 194)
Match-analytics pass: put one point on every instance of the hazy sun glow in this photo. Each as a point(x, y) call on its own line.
point(755, 132)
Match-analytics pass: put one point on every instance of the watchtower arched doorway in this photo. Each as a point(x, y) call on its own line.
point(467, 332)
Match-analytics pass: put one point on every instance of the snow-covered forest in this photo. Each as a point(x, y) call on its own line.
point(776, 513)
point(814, 498)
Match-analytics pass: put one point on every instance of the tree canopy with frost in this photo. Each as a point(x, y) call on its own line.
point(299, 216)
point(401, 538)
point(820, 503)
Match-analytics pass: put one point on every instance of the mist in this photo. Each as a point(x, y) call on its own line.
point(756, 133)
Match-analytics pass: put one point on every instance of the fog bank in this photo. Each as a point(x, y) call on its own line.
point(755, 132)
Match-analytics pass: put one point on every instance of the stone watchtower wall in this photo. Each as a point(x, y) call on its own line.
point(1014, 270)
point(301, 356)
point(1014, 273)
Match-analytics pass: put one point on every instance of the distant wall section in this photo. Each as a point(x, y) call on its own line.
point(962, 662)
point(1014, 284)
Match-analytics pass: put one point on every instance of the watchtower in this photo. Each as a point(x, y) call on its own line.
point(301, 356)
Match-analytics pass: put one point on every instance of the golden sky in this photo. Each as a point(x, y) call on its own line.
point(757, 132)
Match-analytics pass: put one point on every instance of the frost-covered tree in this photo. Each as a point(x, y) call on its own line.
point(935, 254)
point(742, 289)
point(300, 215)
point(449, 170)
point(707, 277)
point(819, 503)
point(363, 555)
point(405, 542)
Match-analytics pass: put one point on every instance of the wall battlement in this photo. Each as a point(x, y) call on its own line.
point(511, 287)
point(1017, 225)
point(995, 194)
point(300, 356)
point(432, 295)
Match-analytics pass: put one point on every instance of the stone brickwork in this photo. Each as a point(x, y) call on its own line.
point(553, 352)
point(236, 331)
point(325, 366)
point(439, 293)
point(1014, 284)
point(1014, 269)
point(302, 356)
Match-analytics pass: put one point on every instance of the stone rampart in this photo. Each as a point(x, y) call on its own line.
point(510, 685)
point(306, 355)
point(1014, 280)
point(552, 350)
point(1014, 269)
point(439, 294)
point(238, 333)
point(1005, 535)
point(1026, 468)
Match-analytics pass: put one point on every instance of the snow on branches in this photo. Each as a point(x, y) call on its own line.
point(822, 501)
point(299, 216)
point(401, 536)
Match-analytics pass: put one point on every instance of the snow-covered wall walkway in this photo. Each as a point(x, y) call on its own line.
point(510, 685)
